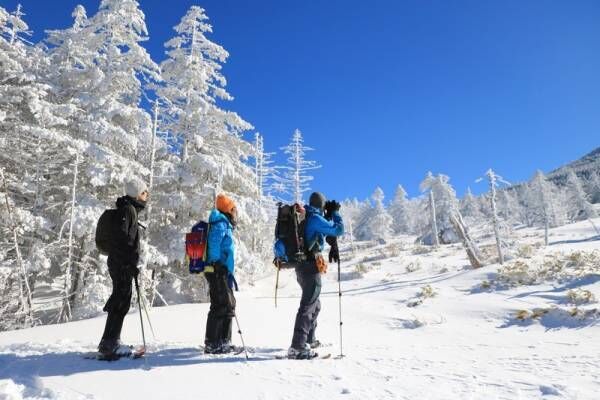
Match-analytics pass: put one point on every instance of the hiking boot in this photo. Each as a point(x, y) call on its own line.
point(108, 347)
point(301, 354)
point(213, 348)
point(227, 347)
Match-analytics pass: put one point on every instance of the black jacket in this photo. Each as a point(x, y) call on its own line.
point(127, 245)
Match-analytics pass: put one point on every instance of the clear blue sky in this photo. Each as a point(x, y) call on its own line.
point(388, 90)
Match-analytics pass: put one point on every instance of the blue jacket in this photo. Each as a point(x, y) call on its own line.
point(220, 241)
point(317, 227)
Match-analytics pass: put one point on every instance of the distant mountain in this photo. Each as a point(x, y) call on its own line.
point(583, 167)
point(586, 168)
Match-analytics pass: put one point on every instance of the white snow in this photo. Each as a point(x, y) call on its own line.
point(459, 342)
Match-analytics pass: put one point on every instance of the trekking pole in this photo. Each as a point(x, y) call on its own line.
point(340, 306)
point(137, 288)
point(145, 305)
point(241, 337)
point(278, 263)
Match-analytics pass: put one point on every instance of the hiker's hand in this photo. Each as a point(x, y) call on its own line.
point(133, 271)
point(334, 253)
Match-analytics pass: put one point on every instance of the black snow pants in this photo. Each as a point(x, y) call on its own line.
point(222, 307)
point(119, 302)
point(306, 319)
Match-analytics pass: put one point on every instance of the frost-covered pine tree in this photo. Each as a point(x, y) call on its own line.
point(578, 206)
point(494, 182)
point(509, 208)
point(399, 210)
point(35, 153)
point(376, 223)
point(296, 176)
point(541, 204)
point(102, 55)
point(592, 186)
point(268, 181)
point(470, 208)
point(445, 201)
point(207, 155)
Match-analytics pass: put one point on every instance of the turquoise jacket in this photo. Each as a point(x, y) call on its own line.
point(220, 241)
point(317, 227)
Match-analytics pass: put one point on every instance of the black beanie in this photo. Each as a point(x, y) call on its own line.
point(317, 200)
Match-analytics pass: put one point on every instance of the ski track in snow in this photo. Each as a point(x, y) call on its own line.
point(455, 345)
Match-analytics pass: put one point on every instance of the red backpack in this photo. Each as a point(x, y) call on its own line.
point(196, 247)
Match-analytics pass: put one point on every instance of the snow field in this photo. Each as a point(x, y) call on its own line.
point(459, 343)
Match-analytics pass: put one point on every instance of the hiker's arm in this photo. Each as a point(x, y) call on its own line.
point(128, 233)
point(335, 227)
point(215, 239)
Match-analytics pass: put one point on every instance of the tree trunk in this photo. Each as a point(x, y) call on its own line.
point(468, 243)
point(434, 228)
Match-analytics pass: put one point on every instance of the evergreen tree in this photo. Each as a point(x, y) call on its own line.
point(578, 206)
point(295, 176)
point(399, 210)
point(376, 223)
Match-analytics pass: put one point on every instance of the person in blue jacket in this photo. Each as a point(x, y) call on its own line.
point(308, 273)
point(220, 255)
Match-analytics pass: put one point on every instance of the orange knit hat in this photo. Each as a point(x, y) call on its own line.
point(225, 204)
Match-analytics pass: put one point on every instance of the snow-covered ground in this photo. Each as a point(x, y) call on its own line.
point(455, 339)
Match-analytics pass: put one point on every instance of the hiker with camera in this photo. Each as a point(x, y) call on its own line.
point(118, 234)
point(308, 273)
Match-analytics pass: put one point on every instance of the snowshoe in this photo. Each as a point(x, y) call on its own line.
point(301, 354)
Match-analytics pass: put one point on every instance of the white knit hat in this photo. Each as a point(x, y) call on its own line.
point(135, 187)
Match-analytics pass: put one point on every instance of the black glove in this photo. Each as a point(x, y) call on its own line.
point(334, 253)
point(330, 207)
point(133, 271)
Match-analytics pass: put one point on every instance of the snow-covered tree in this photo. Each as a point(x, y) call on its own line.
point(35, 153)
point(494, 181)
point(207, 155)
point(376, 223)
point(541, 204)
point(470, 208)
point(400, 212)
point(445, 201)
point(268, 181)
point(578, 206)
point(296, 176)
point(509, 208)
point(592, 186)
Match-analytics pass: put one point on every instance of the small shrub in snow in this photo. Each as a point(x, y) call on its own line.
point(580, 296)
point(427, 292)
point(420, 249)
point(486, 285)
point(516, 273)
point(393, 250)
point(413, 266)
point(361, 268)
point(525, 251)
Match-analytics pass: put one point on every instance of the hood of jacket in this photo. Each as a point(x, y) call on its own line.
point(127, 200)
point(217, 216)
point(313, 210)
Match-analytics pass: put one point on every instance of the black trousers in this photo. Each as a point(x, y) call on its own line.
point(222, 307)
point(306, 318)
point(119, 302)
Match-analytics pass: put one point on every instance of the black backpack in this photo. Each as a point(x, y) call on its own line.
point(107, 231)
point(289, 246)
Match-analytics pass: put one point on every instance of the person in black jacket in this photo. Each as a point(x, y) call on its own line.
point(122, 267)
